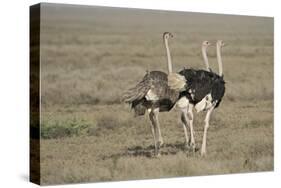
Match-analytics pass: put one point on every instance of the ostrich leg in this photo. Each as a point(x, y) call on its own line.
point(156, 132)
point(207, 120)
point(159, 136)
point(153, 128)
point(184, 120)
point(190, 116)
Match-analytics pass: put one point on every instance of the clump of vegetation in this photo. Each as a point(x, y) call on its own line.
point(61, 129)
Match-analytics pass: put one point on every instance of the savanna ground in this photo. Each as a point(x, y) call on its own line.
point(90, 56)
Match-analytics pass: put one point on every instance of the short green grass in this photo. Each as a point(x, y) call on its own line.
point(91, 57)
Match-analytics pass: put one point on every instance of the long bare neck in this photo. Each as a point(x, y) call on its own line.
point(219, 59)
point(169, 61)
point(205, 58)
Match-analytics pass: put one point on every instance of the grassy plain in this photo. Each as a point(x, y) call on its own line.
point(89, 56)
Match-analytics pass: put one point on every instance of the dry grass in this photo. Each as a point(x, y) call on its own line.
point(89, 58)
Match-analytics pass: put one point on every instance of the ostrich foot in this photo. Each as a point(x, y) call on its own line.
point(157, 155)
point(203, 153)
point(157, 149)
point(160, 142)
point(190, 147)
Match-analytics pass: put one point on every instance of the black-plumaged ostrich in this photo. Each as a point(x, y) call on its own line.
point(203, 90)
point(154, 95)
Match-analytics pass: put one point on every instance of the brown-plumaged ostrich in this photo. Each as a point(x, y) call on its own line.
point(153, 94)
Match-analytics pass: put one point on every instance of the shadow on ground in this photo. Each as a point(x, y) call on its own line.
point(148, 151)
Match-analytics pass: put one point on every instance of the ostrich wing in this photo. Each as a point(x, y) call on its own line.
point(139, 91)
point(153, 87)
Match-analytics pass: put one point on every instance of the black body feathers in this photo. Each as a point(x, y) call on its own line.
point(200, 83)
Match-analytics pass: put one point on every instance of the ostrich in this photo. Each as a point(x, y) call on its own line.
point(173, 82)
point(203, 90)
point(153, 94)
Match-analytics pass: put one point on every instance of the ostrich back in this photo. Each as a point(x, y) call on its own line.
point(200, 83)
point(151, 92)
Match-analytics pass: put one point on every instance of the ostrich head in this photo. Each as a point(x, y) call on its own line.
point(220, 43)
point(167, 35)
point(206, 44)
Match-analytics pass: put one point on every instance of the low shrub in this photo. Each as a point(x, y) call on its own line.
point(60, 129)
